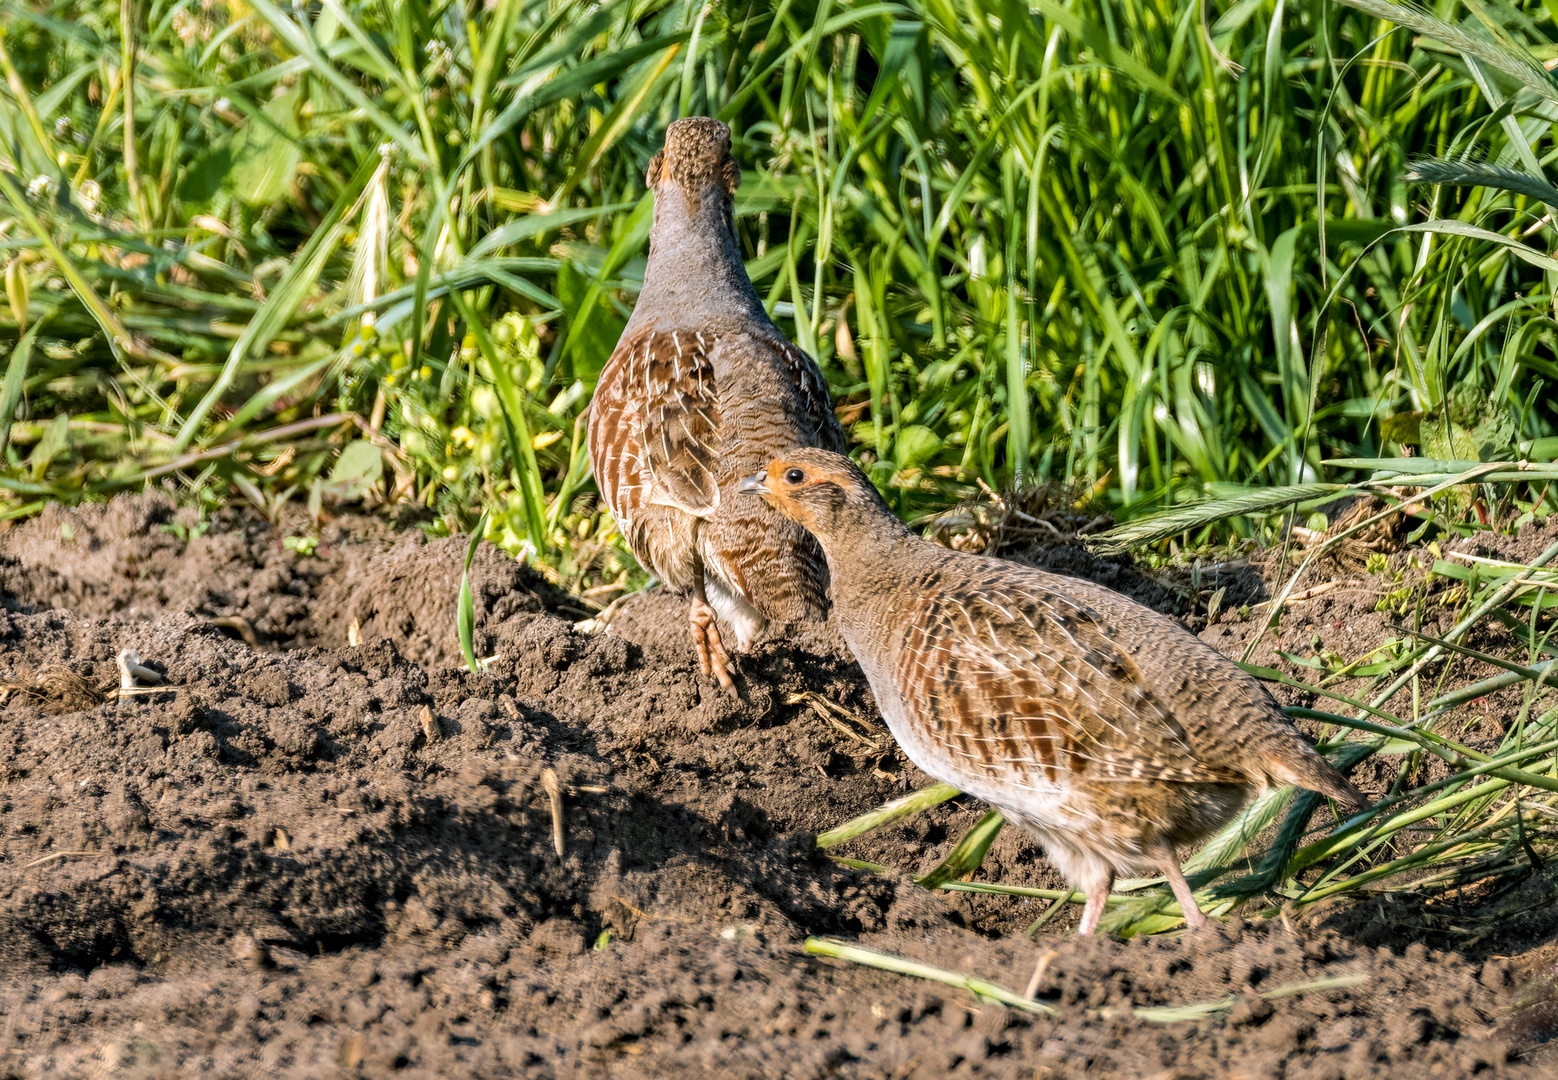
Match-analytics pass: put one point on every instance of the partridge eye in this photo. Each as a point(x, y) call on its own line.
point(793, 476)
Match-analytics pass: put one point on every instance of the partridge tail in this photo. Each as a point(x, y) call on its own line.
point(1315, 773)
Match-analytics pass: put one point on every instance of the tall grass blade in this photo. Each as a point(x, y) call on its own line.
point(300, 279)
point(15, 378)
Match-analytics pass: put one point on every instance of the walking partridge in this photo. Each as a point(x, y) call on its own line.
point(701, 390)
point(1109, 730)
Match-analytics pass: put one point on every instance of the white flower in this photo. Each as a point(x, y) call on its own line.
point(88, 195)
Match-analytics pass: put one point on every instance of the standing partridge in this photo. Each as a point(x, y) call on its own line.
point(701, 390)
point(1109, 730)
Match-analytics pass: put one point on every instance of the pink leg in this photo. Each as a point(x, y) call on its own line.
point(1194, 918)
point(1097, 901)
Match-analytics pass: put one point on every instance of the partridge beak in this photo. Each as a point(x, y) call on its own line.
point(753, 485)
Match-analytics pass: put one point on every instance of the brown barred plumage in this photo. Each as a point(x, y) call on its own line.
point(1106, 728)
point(701, 390)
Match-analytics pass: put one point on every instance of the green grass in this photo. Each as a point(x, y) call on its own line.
point(1076, 243)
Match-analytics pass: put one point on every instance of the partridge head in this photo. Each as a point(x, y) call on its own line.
point(1109, 730)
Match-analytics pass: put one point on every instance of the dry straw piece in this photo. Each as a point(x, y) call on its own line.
point(554, 795)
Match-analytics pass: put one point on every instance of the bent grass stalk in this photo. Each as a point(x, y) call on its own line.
point(989, 992)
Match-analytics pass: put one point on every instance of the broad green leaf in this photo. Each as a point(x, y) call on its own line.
point(265, 156)
point(359, 466)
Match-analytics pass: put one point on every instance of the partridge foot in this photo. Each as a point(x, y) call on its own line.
point(1097, 901)
point(712, 657)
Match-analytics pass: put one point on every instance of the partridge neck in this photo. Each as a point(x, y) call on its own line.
point(695, 274)
point(866, 549)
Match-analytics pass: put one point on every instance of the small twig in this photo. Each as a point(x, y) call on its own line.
point(833, 714)
point(1500, 564)
point(239, 625)
point(554, 794)
point(132, 674)
point(1038, 973)
point(65, 855)
point(120, 692)
point(1308, 594)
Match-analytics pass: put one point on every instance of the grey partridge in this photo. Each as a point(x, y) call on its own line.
point(701, 390)
point(1109, 730)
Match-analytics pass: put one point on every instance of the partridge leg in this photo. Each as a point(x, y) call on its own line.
point(1194, 919)
point(1097, 899)
point(712, 657)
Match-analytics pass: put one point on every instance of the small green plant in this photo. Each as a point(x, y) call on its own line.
point(186, 531)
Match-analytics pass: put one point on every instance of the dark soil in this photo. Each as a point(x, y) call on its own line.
point(306, 858)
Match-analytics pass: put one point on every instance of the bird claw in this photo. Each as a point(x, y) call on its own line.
point(712, 657)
